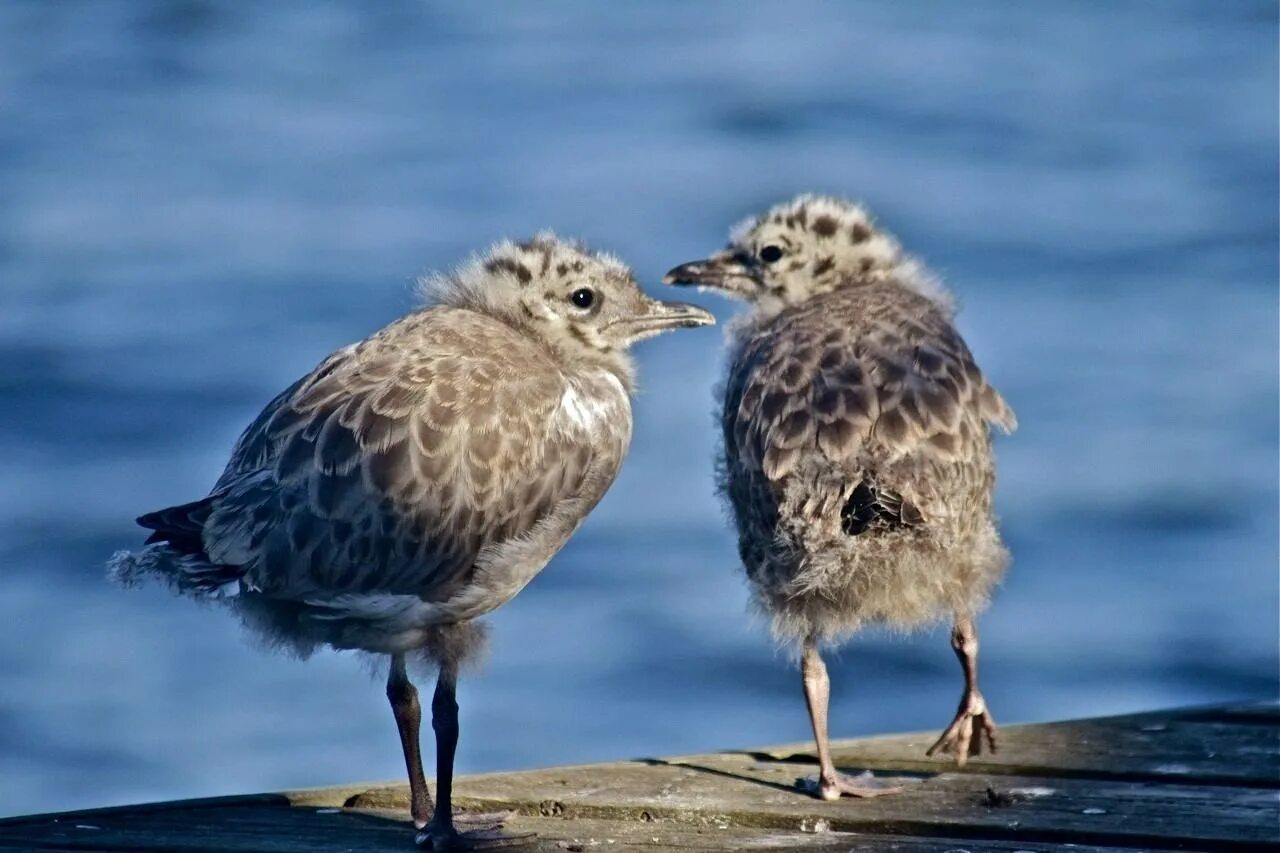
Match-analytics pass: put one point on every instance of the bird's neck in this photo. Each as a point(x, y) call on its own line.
point(589, 364)
point(908, 275)
point(575, 358)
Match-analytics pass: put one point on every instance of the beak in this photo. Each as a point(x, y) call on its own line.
point(724, 271)
point(657, 317)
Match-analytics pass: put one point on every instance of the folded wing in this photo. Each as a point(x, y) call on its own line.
point(866, 390)
point(389, 467)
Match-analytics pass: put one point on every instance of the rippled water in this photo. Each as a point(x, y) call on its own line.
point(197, 202)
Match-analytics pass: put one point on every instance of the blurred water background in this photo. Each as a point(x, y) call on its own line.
point(198, 201)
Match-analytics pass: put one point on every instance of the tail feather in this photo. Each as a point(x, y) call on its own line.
point(184, 573)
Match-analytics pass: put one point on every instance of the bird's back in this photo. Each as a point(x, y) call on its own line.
point(855, 429)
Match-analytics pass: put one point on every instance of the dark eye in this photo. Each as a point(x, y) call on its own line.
point(582, 298)
point(769, 254)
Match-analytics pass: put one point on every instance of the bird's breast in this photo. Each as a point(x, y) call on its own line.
point(594, 405)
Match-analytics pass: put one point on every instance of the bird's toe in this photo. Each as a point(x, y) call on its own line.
point(863, 785)
point(485, 834)
point(972, 731)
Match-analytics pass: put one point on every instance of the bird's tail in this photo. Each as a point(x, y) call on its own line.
point(187, 574)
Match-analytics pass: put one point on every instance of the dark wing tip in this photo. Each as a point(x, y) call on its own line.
point(186, 518)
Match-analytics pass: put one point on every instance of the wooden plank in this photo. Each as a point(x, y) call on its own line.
point(1226, 746)
point(261, 827)
point(737, 790)
point(1200, 778)
point(1260, 713)
point(276, 829)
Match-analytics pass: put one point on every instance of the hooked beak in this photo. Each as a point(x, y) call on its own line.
point(724, 271)
point(657, 317)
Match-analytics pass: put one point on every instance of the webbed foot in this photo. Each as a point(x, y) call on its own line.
point(972, 725)
point(478, 832)
point(863, 785)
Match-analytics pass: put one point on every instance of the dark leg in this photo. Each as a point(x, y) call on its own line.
point(404, 704)
point(973, 722)
point(830, 783)
point(444, 720)
point(440, 833)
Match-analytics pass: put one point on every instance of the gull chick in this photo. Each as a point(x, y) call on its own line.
point(420, 478)
point(857, 449)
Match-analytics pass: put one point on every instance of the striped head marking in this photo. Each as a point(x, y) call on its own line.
point(579, 302)
point(798, 249)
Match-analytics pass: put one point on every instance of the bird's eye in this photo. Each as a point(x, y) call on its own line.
point(769, 254)
point(582, 298)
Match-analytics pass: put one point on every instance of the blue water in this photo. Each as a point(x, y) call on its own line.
point(198, 201)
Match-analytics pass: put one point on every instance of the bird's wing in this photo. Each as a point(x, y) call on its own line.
point(391, 465)
point(895, 381)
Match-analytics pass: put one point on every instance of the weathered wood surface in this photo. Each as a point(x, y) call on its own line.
point(1197, 779)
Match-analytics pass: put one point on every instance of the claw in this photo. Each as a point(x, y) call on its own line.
point(486, 833)
point(964, 737)
point(478, 839)
point(864, 785)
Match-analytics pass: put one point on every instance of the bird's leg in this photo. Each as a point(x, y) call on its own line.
point(973, 722)
point(404, 704)
point(440, 833)
point(830, 783)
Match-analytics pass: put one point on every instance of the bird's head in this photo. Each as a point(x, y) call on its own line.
point(798, 249)
point(584, 305)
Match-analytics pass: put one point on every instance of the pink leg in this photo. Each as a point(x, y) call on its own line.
point(973, 722)
point(830, 784)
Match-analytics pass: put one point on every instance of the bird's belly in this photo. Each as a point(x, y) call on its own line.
point(503, 569)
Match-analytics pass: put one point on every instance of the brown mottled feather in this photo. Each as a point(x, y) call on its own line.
point(852, 371)
point(391, 465)
point(859, 412)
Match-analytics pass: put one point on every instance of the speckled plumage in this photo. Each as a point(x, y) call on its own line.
point(420, 478)
point(369, 491)
point(857, 458)
point(859, 396)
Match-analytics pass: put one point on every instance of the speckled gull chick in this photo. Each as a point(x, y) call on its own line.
point(422, 477)
point(857, 449)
